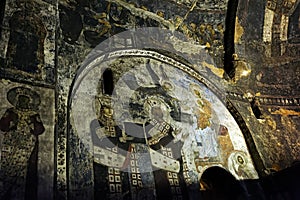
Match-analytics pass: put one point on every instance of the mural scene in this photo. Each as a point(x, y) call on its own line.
point(154, 131)
point(26, 165)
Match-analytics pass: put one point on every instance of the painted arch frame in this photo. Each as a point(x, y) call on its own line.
point(244, 169)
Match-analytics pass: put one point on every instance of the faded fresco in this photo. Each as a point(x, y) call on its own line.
point(28, 41)
point(26, 141)
point(153, 129)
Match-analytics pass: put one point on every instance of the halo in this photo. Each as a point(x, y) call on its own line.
point(241, 155)
point(167, 85)
point(101, 101)
point(14, 93)
point(153, 101)
point(194, 86)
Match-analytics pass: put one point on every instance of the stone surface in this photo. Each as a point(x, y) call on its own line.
point(44, 43)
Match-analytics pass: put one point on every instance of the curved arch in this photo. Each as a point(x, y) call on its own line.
point(218, 183)
point(199, 90)
point(276, 27)
point(259, 165)
point(94, 61)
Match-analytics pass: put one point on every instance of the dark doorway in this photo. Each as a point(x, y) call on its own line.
point(108, 83)
point(218, 184)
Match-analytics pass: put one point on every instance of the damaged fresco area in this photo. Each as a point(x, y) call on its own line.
point(28, 41)
point(280, 125)
point(90, 23)
point(26, 141)
point(150, 127)
point(270, 44)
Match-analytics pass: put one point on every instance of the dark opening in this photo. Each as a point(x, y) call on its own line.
point(219, 184)
point(255, 109)
point(108, 83)
point(229, 37)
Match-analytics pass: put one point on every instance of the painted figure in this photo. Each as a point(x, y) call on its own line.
point(109, 155)
point(206, 136)
point(157, 135)
point(238, 165)
point(20, 127)
point(207, 143)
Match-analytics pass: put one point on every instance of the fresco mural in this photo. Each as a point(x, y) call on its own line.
point(154, 129)
point(26, 161)
point(28, 41)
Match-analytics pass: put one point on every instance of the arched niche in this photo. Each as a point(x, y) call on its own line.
point(163, 120)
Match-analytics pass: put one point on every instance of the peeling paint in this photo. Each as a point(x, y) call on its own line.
point(186, 47)
point(242, 69)
point(217, 71)
point(270, 122)
point(239, 31)
point(286, 112)
point(144, 14)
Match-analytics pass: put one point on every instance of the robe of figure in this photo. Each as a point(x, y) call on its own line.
point(20, 130)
